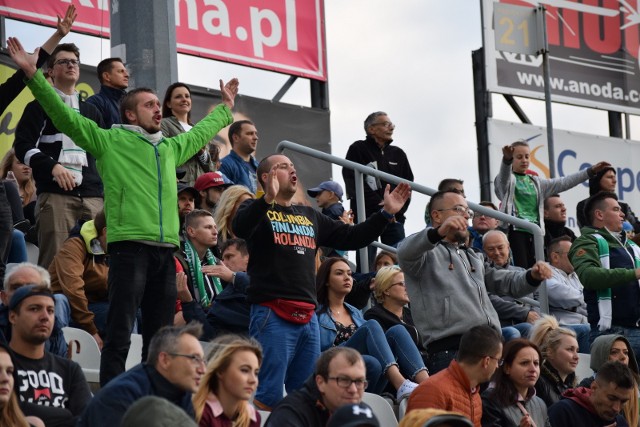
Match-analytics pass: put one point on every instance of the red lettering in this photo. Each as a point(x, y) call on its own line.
point(602, 34)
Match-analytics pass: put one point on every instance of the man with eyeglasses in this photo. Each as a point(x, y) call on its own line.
point(69, 186)
point(448, 283)
point(339, 379)
point(173, 370)
point(377, 152)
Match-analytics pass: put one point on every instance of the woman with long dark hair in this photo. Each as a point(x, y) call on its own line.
point(511, 401)
point(343, 324)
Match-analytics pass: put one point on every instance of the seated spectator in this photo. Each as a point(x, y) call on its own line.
point(599, 405)
point(564, 290)
point(176, 113)
point(157, 412)
point(188, 199)
point(559, 349)
point(615, 348)
point(11, 169)
point(339, 379)
point(434, 418)
point(51, 387)
point(211, 186)
point(227, 207)
point(511, 398)
point(605, 180)
point(355, 414)
point(228, 384)
point(392, 309)
point(480, 225)
point(456, 388)
point(555, 220)
point(172, 371)
point(516, 316)
point(28, 274)
point(10, 412)
point(196, 263)
point(343, 325)
point(522, 195)
point(79, 272)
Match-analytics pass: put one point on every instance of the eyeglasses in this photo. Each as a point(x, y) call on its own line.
point(67, 62)
point(403, 284)
point(384, 124)
point(195, 359)
point(345, 382)
point(500, 361)
point(460, 210)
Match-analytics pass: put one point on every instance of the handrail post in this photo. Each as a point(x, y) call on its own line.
point(362, 216)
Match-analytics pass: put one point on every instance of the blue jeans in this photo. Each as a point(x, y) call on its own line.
point(394, 347)
point(140, 276)
point(440, 360)
point(520, 330)
point(289, 353)
point(18, 248)
point(631, 334)
point(63, 310)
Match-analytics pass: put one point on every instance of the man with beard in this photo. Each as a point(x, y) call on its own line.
point(447, 282)
point(211, 185)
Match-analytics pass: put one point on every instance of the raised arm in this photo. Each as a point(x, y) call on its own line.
point(229, 92)
point(26, 61)
point(63, 28)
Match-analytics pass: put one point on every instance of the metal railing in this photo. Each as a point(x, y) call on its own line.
point(360, 170)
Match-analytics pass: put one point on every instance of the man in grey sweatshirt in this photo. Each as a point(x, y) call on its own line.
point(447, 282)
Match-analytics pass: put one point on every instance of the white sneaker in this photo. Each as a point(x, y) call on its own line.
point(405, 389)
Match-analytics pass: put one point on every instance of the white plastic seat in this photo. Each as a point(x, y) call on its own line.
point(84, 351)
point(583, 370)
point(382, 409)
point(33, 252)
point(134, 356)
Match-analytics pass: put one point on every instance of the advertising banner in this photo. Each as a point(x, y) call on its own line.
point(593, 51)
point(286, 36)
point(575, 151)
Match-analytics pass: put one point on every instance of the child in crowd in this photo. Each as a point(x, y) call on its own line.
point(522, 195)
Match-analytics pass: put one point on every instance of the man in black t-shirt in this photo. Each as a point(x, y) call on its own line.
point(50, 387)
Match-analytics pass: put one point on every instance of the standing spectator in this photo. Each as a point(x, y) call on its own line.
point(522, 195)
point(339, 378)
point(228, 384)
point(608, 265)
point(188, 199)
point(240, 165)
point(176, 113)
point(282, 239)
point(69, 187)
point(172, 370)
point(9, 90)
point(79, 271)
point(559, 349)
point(457, 387)
point(211, 186)
point(555, 220)
point(377, 152)
point(134, 158)
point(448, 184)
point(480, 225)
point(598, 405)
point(438, 268)
point(51, 387)
point(114, 81)
point(605, 180)
point(511, 398)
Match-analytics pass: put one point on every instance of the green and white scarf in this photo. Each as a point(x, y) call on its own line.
point(604, 296)
point(195, 273)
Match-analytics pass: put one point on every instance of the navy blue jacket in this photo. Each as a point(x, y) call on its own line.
point(107, 101)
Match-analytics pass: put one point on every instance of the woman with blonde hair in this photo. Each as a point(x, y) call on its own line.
point(230, 381)
point(226, 209)
point(10, 413)
point(559, 349)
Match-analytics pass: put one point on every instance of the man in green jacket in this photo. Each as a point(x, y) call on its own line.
point(137, 165)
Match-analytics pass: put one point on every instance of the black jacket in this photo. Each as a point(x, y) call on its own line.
point(387, 320)
point(303, 407)
point(390, 159)
point(34, 124)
